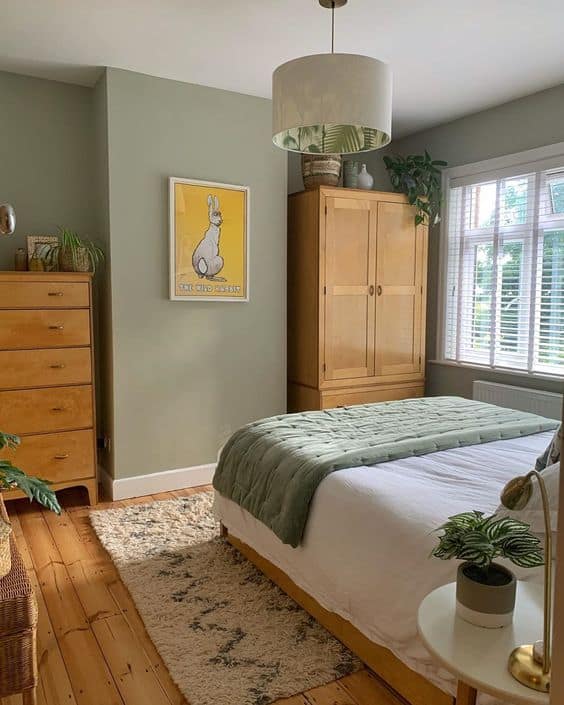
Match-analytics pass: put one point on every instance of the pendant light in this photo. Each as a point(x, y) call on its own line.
point(332, 103)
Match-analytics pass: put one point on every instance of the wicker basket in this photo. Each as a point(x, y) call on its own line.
point(5, 551)
point(75, 261)
point(321, 169)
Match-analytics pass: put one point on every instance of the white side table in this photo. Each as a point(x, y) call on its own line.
point(476, 656)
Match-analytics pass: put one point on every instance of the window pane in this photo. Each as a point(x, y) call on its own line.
point(556, 187)
point(482, 205)
point(514, 201)
point(482, 297)
point(511, 265)
point(551, 327)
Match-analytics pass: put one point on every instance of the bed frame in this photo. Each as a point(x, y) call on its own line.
point(412, 686)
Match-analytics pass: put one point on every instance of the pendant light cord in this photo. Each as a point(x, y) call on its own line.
point(333, 27)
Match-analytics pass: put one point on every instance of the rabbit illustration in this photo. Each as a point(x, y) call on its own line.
point(206, 260)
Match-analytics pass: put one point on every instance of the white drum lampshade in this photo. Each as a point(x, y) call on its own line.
point(332, 104)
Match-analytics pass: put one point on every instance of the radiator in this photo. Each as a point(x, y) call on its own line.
point(535, 401)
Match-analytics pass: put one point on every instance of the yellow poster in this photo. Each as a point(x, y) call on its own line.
point(209, 241)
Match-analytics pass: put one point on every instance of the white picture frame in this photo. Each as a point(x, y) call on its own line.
point(227, 236)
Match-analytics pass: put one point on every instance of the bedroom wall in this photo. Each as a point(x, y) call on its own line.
point(47, 149)
point(534, 121)
point(102, 290)
point(187, 374)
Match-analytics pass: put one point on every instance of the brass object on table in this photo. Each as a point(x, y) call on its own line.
point(530, 664)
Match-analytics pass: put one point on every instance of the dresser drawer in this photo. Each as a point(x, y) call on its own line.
point(44, 294)
point(56, 456)
point(45, 410)
point(21, 369)
point(21, 330)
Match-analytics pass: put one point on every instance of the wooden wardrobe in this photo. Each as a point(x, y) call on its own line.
point(357, 277)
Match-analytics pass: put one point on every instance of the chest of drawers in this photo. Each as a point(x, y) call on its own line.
point(47, 376)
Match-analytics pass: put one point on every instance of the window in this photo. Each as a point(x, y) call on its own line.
point(503, 283)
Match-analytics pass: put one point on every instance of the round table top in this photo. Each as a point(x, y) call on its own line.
point(479, 656)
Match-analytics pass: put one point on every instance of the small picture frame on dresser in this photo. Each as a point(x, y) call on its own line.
point(44, 248)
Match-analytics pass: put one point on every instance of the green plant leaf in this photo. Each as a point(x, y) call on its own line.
point(418, 177)
point(9, 440)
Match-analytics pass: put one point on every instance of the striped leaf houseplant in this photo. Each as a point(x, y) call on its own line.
point(485, 590)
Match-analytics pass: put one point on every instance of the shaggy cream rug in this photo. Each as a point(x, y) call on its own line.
point(226, 633)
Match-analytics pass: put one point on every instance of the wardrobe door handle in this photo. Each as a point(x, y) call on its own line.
point(55, 293)
point(56, 327)
point(61, 456)
point(371, 290)
point(379, 290)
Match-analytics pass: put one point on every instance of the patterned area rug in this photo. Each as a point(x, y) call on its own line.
point(226, 633)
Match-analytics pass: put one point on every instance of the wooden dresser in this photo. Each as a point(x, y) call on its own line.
point(357, 282)
point(46, 376)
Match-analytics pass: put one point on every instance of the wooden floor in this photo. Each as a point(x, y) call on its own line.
point(93, 647)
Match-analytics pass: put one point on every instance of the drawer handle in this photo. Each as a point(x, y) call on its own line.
point(58, 409)
point(59, 366)
point(55, 293)
point(56, 327)
point(61, 456)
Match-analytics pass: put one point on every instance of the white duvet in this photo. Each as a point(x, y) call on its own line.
point(365, 553)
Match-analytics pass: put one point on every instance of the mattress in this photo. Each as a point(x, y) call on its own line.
point(365, 552)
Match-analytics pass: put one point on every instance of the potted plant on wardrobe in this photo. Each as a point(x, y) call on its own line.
point(419, 178)
point(485, 590)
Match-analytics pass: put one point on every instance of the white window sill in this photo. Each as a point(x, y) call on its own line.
point(500, 370)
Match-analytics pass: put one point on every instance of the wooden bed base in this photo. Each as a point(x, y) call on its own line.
point(416, 689)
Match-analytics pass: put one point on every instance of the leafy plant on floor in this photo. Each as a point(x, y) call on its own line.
point(72, 244)
point(419, 177)
point(480, 539)
point(12, 477)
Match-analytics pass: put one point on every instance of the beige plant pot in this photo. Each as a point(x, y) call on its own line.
point(321, 169)
point(77, 261)
point(489, 605)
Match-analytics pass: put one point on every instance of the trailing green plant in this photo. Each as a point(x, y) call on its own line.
point(480, 539)
point(419, 177)
point(12, 477)
point(71, 242)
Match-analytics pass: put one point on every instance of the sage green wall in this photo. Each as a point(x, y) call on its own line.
point(534, 121)
point(46, 158)
point(187, 374)
point(103, 290)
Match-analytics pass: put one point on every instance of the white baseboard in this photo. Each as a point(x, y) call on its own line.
point(165, 481)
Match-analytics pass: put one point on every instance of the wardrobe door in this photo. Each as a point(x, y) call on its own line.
point(400, 270)
point(350, 241)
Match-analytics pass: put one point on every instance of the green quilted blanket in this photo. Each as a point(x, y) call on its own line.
point(272, 467)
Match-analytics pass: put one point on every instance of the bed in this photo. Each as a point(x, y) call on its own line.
point(363, 566)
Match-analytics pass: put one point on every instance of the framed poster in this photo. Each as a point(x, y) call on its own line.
point(209, 241)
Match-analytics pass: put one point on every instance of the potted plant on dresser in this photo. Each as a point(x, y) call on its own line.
point(77, 254)
point(36, 489)
point(485, 590)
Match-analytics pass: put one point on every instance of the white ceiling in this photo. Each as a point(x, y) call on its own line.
point(449, 57)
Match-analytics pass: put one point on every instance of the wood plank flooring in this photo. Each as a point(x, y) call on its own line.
point(92, 645)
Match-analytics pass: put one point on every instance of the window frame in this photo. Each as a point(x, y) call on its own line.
point(531, 162)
